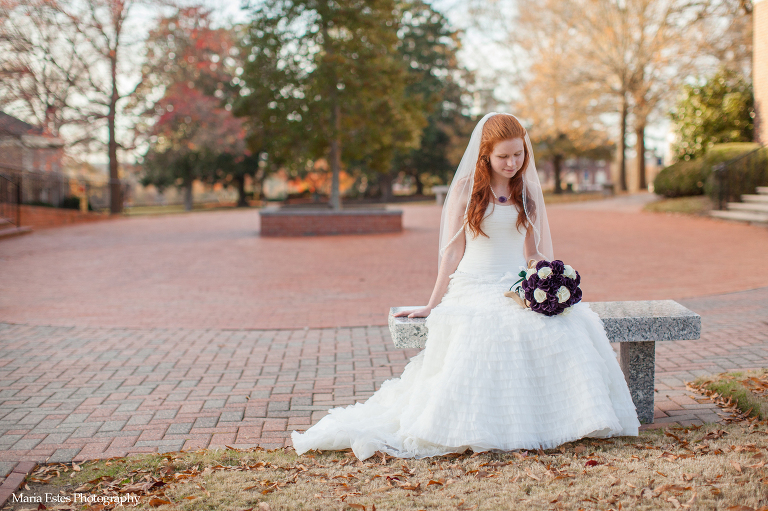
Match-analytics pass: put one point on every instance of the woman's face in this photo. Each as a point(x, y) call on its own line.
point(507, 157)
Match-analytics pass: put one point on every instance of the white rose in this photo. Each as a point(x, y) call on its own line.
point(545, 272)
point(569, 272)
point(566, 311)
point(563, 294)
point(539, 295)
point(529, 272)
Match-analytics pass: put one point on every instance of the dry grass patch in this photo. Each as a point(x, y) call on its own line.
point(697, 205)
point(699, 467)
point(743, 393)
point(559, 198)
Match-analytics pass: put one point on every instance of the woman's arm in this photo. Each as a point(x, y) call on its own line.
point(529, 248)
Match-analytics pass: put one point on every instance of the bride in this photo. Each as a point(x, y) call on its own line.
point(493, 375)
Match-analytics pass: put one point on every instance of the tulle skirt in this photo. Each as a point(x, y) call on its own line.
point(492, 377)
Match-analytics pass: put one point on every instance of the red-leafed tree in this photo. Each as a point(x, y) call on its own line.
point(190, 139)
point(191, 131)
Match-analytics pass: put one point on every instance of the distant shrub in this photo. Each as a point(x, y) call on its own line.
point(40, 204)
point(72, 202)
point(693, 177)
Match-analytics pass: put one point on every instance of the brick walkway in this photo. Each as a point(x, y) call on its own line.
point(80, 393)
point(86, 372)
point(211, 270)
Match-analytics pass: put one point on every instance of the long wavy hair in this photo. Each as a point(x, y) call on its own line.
point(496, 129)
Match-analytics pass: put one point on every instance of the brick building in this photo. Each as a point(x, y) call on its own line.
point(760, 68)
point(27, 147)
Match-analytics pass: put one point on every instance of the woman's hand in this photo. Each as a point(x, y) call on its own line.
point(418, 313)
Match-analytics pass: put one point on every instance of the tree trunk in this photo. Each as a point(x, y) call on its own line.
point(623, 144)
point(242, 202)
point(335, 161)
point(188, 196)
point(115, 192)
point(335, 152)
point(385, 183)
point(640, 133)
point(556, 164)
point(419, 184)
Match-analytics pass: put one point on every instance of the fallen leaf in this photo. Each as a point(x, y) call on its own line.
point(532, 476)
point(736, 466)
point(157, 502)
point(579, 449)
point(591, 463)
point(357, 506)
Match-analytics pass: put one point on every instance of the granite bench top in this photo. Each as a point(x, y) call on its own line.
point(636, 321)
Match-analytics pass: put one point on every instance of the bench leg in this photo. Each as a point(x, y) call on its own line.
point(638, 362)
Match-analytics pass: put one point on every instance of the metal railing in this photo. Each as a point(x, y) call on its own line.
point(10, 202)
point(741, 175)
point(54, 189)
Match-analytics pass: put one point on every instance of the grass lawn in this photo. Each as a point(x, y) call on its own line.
point(713, 466)
point(698, 205)
point(173, 209)
point(551, 198)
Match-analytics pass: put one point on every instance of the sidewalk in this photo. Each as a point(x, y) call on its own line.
point(75, 393)
point(212, 270)
point(190, 331)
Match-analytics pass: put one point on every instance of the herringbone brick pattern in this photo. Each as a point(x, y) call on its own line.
point(190, 331)
point(81, 393)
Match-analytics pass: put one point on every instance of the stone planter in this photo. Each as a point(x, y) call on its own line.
point(321, 222)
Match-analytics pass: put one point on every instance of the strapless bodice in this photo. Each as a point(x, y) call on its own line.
point(499, 253)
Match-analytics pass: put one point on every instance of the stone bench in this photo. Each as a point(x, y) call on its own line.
point(440, 192)
point(636, 325)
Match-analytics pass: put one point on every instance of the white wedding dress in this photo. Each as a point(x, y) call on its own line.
point(493, 376)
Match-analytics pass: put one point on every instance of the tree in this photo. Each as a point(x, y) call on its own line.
point(41, 75)
point(563, 112)
point(633, 52)
point(184, 47)
point(191, 139)
point(271, 95)
point(185, 54)
point(720, 110)
point(104, 29)
point(343, 58)
point(429, 48)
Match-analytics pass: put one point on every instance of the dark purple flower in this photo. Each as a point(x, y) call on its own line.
point(557, 266)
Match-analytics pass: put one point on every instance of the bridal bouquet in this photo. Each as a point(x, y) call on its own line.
point(548, 287)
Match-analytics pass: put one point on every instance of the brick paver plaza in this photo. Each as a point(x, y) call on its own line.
point(190, 331)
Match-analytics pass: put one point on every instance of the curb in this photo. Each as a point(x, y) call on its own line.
point(15, 479)
point(12, 232)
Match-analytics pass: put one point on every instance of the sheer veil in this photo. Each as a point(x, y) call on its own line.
point(456, 203)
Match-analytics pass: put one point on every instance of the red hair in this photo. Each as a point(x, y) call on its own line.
point(496, 129)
